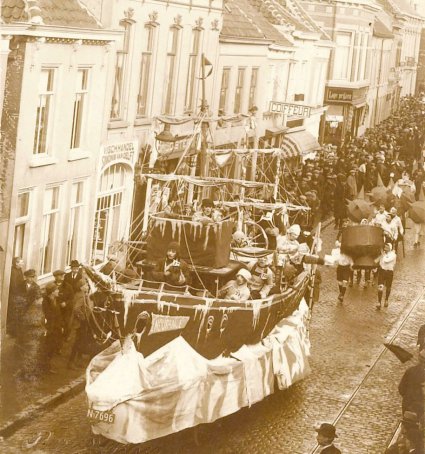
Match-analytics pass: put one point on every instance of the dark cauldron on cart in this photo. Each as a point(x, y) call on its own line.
point(363, 243)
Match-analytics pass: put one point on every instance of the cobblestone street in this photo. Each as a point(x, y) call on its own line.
point(353, 382)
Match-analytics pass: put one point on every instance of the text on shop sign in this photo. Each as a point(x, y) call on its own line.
point(119, 151)
point(290, 109)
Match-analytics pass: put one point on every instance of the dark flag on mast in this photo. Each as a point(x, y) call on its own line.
point(206, 63)
point(402, 354)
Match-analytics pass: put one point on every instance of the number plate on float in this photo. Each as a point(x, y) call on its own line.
point(100, 416)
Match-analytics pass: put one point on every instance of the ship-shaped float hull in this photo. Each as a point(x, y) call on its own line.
point(184, 356)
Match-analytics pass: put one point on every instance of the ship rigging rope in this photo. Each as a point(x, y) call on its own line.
point(139, 217)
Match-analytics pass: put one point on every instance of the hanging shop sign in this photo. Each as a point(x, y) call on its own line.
point(120, 151)
point(339, 95)
point(172, 150)
point(290, 109)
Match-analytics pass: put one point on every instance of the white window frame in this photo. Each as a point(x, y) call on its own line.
point(253, 88)
point(80, 208)
point(224, 88)
point(192, 68)
point(120, 76)
point(43, 240)
point(44, 96)
point(26, 222)
point(347, 68)
point(81, 96)
point(171, 70)
point(111, 194)
point(146, 71)
point(239, 90)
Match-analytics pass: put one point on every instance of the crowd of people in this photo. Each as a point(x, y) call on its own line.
point(384, 153)
point(63, 317)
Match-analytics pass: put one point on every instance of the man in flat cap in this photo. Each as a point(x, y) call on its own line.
point(64, 299)
point(32, 289)
point(326, 434)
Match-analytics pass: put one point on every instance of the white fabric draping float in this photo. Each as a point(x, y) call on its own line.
point(175, 388)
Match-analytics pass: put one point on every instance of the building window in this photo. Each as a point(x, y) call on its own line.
point(342, 60)
point(49, 230)
point(224, 89)
point(191, 76)
point(171, 71)
point(75, 240)
point(22, 225)
point(253, 87)
point(145, 71)
point(239, 90)
point(79, 107)
point(109, 222)
point(44, 111)
point(120, 68)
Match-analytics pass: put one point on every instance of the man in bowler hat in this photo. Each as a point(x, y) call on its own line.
point(74, 275)
point(326, 434)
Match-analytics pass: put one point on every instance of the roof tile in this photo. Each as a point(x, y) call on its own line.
point(53, 12)
point(252, 21)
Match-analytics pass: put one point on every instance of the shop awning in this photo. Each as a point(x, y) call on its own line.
point(273, 132)
point(303, 142)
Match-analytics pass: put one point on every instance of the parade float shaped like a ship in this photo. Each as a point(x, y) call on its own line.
point(183, 356)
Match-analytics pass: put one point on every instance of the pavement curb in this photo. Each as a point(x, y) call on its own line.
point(29, 413)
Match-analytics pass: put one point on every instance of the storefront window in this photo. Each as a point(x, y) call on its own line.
point(111, 201)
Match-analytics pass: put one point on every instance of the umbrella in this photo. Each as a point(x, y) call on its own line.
point(417, 212)
point(380, 195)
point(402, 354)
point(406, 200)
point(358, 209)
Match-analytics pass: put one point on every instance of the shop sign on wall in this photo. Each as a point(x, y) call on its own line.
point(344, 95)
point(290, 109)
point(121, 151)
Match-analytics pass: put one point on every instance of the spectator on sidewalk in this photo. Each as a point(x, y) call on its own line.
point(326, 434)
point(53, 325)
point(410, 439)
point(65, 299)
point(74, 275)
point(33, 298)
point(17, 300)
point(411, 389)
point(83, 339)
